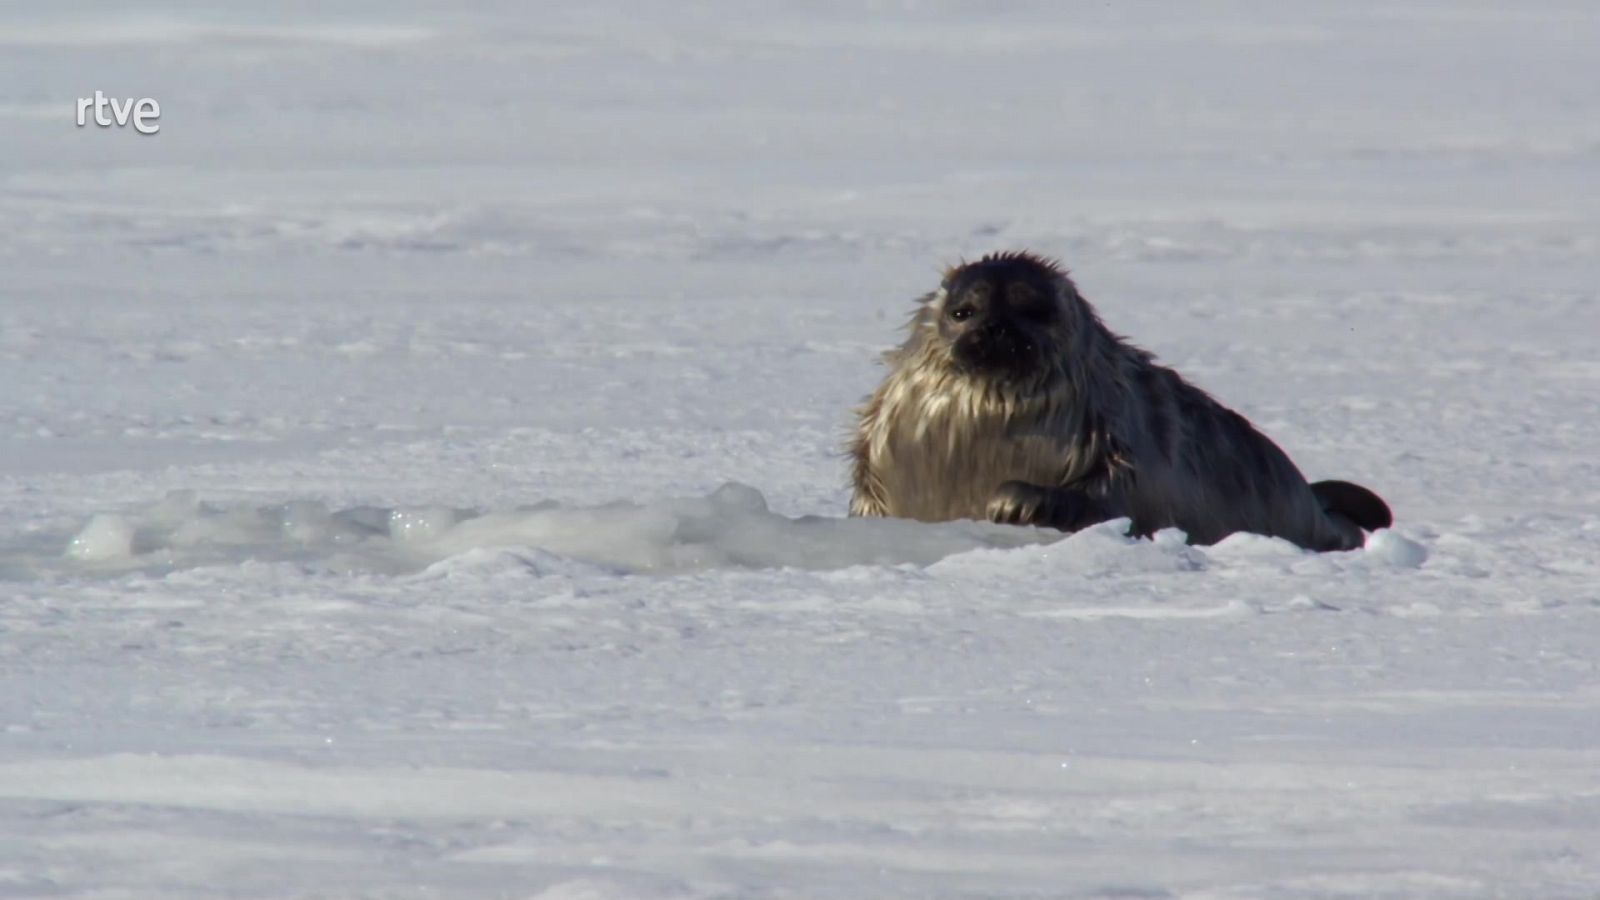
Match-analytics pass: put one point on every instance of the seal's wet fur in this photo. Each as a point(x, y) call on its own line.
point(1011, 401)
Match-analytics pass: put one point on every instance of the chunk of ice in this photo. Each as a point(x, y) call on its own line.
point(1391, 547)
point(106, 537)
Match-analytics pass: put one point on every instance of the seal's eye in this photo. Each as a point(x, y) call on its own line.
point(961, 313)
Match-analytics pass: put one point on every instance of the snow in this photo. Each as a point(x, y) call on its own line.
point(730, 527)
point(421, 462)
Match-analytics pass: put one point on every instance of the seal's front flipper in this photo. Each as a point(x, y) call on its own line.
point(1354, 502)
point(1065, 509)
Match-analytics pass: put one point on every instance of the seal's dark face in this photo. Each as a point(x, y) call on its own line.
point(998, 315)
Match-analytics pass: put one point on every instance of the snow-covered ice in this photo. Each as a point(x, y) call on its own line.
point(421, 472)
point(730, 527)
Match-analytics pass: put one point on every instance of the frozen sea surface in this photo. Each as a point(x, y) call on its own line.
point(421, 473)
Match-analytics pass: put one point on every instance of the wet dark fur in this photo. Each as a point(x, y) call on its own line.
point(1011, 401)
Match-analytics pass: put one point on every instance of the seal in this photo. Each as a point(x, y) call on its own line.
point(1011, 401)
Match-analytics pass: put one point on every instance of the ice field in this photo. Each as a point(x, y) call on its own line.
point(421, 464)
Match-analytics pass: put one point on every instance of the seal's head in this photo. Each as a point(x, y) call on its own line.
point(1001, 317)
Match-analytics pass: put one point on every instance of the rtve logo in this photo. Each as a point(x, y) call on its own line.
point(143, 112)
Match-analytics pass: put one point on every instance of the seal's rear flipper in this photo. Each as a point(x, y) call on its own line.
point(1354, 502)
